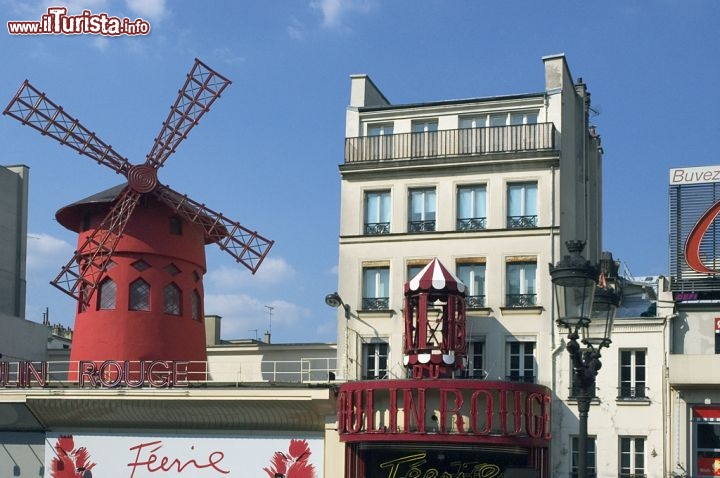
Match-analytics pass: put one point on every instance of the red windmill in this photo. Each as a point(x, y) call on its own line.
point(137, 272)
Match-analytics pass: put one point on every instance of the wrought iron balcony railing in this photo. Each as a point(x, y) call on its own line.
point(375, 303)
point(474, 301)
point(375, 228)
point(522, 378)
point(520, 300)
point(421, 226)
point(447, 143)
point(629, 392)
point(521, 222)
point(471, 224)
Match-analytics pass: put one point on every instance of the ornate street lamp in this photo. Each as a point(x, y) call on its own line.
point(575, 285)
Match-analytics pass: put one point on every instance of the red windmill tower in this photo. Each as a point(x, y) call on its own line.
point(137, 272)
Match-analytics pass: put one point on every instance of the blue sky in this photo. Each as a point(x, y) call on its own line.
point(267, 153)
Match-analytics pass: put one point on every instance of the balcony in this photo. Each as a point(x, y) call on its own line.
point(471, 224)
point(375, 303)
point(521, 300)
point(451, 143)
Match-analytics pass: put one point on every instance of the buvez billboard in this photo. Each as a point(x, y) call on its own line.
point(694, 203)
point(80, 455)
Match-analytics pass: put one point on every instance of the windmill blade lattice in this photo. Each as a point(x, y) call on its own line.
point(202, 87)
point(247, 247)
point(81, 276)
point(32, 108)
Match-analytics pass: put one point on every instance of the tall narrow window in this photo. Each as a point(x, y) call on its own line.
point(139, 295)
point(476, 358)
point(107, 294)
point(375, 360)
point(195, 305)
point(380, 141)
point(377, 212)
point(520, 360)
point(422, 210)
point(632, 374)
point(172, 299)
point(472, 274)
point(175, 226)
point(471, 207)
point(471, 137)
point(521, 291)
point(632, 457)
point(575, 455)
point(376, 288)
point(424, 138)
point(522, 205)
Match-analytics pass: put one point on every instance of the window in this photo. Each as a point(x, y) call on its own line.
point(520, 361)
point(522, 205)
point(521, 290)
point(476, 359)
point(414, 267)
point(376, 290)
point(139, 295)
point(107, 294)
point(140, 265)
point(632, 374)
point(632, 457)
point(574, 457)
point(471, 208)
point(470, 137)
point(377, 212)
point(172, 298)
point(472, 274)
point(424, 138)
point(528, 117)
point(380, 141)
point(422, 210)
point(175, 226)
point(375, 360)
point(195, 305)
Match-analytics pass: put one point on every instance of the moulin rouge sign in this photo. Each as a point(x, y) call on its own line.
point(420, 410)
point(107, 374)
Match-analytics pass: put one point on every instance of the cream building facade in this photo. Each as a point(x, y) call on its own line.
point(492, 187)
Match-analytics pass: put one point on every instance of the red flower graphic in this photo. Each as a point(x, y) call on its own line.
point(70, 462)
point(293, 465)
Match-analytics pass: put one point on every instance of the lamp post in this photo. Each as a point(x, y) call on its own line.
point(575, 284)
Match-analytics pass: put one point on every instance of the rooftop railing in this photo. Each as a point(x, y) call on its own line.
point(448, 143)
point(161, 374)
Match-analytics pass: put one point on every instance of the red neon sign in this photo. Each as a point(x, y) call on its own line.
point(692, 244)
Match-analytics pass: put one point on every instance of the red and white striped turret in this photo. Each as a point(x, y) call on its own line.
point(434, 322)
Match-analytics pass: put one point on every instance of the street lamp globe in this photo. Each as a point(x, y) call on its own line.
point(574, 281)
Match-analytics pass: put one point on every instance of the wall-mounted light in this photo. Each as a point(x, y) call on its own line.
point(334, 300)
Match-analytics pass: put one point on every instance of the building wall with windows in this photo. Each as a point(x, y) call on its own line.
point(20, 339)
point(492, 187)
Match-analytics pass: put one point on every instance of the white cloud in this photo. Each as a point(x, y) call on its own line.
point(148, 9)
point(45, 252)
point(296, 30)
point(273, 270)
point(333, 11)
point(243, 315)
